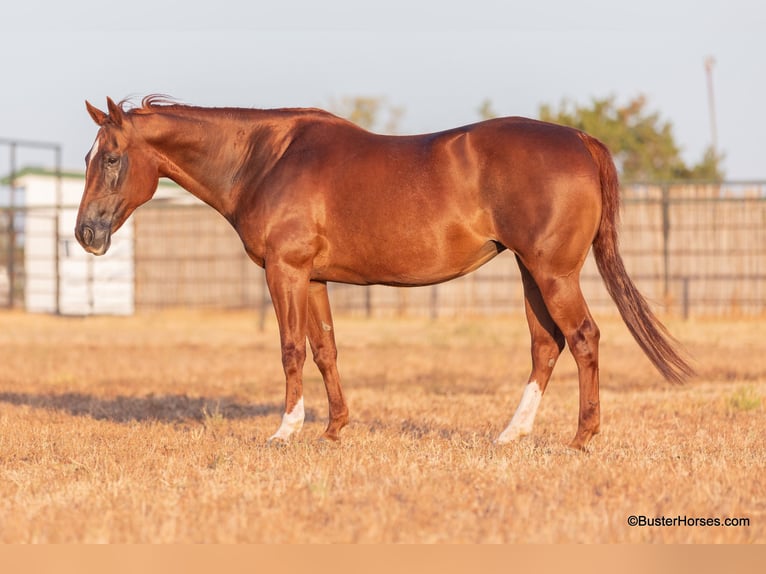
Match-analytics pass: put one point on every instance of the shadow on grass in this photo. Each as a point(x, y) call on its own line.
point(161, 408)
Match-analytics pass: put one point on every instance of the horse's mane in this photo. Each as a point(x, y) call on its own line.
point(157, 103)
point(154, 100)
point(149, 103)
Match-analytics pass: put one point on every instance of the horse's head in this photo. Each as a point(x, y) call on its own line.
point(121, 174)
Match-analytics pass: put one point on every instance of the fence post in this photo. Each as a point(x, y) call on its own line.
point(434, 302)
point(264, 306)
point(57, 229)
point(12, 229)
point(368, 301)
point(666, 241)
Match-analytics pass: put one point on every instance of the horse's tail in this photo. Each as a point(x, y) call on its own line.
point(650, 334)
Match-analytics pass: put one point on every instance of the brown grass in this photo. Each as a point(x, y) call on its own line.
point(153, 428)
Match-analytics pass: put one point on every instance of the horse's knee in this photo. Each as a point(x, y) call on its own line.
point(293, 357)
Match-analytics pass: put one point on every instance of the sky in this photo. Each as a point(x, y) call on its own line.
point(438, 60)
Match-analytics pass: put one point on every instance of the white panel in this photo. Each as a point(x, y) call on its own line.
point(87, 284)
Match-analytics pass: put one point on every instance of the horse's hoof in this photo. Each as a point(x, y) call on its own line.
point(329, 438)
point(277, 442)
point(578, 446)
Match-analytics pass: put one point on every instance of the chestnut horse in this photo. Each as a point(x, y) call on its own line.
point(315, 198)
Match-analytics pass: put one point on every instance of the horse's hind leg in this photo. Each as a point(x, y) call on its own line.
point(547, 344)
point(566, 305)
point(322, 339)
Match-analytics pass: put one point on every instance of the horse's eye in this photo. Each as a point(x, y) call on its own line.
point(111, 160)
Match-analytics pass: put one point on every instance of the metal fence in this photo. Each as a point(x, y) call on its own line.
point(693, 250)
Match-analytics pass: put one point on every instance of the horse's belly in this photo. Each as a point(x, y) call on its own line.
point(406, 265)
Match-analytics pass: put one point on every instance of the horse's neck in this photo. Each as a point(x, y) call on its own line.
point(208, 153)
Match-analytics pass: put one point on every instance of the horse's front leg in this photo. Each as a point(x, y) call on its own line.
point(289, 286)
point(322, 339)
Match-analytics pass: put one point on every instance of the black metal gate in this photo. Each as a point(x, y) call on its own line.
point(12, 213)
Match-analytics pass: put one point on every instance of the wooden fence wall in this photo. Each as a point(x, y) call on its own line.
point(691, 249)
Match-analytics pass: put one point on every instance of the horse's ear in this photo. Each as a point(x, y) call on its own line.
point(98, 116)
point(115, 112)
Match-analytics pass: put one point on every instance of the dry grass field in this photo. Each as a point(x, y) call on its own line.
point(153, 429)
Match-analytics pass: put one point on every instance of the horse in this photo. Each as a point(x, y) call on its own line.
point(317, 199)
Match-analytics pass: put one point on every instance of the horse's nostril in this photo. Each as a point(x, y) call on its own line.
point(87, 235)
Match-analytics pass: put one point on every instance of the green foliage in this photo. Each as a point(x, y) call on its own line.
point(709, 168)
point(642, 143)
point(744, 399)
point(486, 111)
point(366, 112)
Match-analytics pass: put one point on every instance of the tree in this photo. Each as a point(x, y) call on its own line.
point(486, 111)
point(642, 143)
point(365, 112)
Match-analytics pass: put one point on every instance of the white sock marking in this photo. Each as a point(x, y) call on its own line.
point(524, 417)
point(292, 422)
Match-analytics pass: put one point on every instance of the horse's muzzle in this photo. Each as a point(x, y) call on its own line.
point(94, 237)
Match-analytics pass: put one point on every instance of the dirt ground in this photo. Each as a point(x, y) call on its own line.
point(153, 428)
